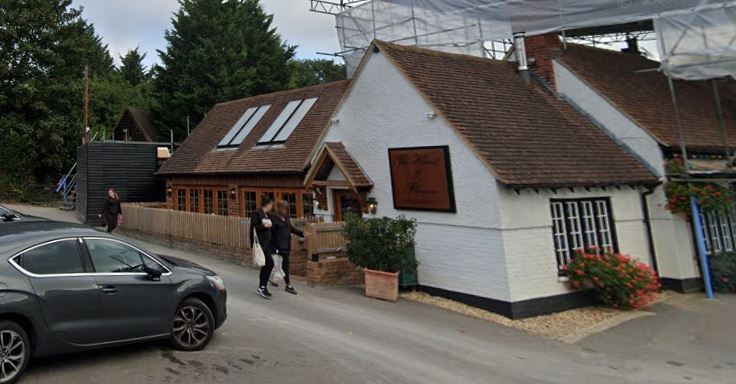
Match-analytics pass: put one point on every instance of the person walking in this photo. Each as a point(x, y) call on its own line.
point(281, 239)
point(262, 224)
point(112, 212)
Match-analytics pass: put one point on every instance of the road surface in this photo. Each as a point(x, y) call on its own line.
point(336, 335)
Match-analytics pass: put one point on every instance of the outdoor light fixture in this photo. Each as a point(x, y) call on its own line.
point(169, 190)
point(372, 205)
point(233, 192)
point(431, 115)
point(334, 120)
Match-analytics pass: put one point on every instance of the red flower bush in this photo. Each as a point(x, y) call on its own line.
point(618, 280)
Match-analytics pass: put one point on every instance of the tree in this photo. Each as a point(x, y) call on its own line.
point(44, 46)
point(132, 69)
point(312, 72)
point(217, 51)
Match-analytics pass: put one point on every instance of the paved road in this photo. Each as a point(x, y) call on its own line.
point(335, 335)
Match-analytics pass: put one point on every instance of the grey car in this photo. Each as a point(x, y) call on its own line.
point(66, 287)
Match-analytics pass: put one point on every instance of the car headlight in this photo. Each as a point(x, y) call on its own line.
point(216, 282)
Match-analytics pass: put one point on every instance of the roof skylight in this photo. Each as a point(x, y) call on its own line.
point(287, 121)
point(243, 126)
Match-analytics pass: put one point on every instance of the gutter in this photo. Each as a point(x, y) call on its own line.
point(648, 224)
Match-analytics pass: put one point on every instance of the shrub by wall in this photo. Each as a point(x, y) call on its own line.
point(723, 269)
point(619, 280)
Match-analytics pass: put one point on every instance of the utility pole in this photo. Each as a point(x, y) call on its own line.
point(86, 104)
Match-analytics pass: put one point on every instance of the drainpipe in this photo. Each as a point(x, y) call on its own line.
point(648, 225)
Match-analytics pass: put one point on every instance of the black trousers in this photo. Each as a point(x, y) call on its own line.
point(112, 221)
point(266, 270)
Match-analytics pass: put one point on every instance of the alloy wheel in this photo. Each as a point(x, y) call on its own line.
point(191, 327)
point(12, 355)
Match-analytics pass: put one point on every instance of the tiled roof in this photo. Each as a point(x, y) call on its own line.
point(348, 165)
point(528, 137)
point(644, 96)
point(198, 154)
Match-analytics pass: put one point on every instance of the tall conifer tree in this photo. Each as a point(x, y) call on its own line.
point(217, 51)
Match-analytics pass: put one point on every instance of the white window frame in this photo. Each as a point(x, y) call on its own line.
point(580, 224)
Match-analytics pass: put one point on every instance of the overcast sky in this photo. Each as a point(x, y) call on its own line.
point(125, 24)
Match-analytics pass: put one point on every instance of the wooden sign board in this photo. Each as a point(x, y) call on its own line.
point(421, 179)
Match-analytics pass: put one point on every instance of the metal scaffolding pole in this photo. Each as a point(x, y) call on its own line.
point(694, 206)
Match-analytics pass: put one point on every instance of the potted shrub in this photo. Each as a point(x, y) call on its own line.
point(619, 281)
point(382, 247)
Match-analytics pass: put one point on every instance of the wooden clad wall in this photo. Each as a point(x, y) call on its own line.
point(128, 167)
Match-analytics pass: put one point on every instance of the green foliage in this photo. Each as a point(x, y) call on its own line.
point(217, 51)
point(312, 72)
point(712, 197)
point(132, 69)
point(381, 244)
point(723, 271)
point(44, 46)
point(618, 280)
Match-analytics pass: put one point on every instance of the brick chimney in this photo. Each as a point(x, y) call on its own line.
point(541, 50)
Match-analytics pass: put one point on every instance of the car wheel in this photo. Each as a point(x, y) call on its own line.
point(15, 351)
point(193, 325)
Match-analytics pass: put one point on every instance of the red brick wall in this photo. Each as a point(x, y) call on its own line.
point(333, 272)
point(542, 50)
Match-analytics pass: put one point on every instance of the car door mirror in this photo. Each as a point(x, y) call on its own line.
point(152, 272)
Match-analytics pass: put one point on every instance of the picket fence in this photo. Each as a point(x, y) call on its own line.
point(226, 231)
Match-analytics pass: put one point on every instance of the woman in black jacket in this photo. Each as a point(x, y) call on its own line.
point(262, 224)
point(111, 210)
point(281, 239)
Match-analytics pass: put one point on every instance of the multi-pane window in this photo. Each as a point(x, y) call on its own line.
point(209, 201)
point(720, 231)
point(290, 199)
point(181, 199)
point(579, 225)
point(308, 204)
point(249, 203)
point(194, 200)
point(270, 195)
point(222, 202)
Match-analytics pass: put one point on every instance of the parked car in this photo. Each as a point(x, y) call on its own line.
point(66, 287)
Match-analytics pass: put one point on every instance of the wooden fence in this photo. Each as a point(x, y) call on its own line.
point(227, 231)
point(325, 238)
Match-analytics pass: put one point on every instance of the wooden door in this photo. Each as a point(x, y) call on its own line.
point(345, 202)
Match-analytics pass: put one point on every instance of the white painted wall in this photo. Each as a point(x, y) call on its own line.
point(527, 235)
point(498, 244)
point(461, 251)
point(672, 235)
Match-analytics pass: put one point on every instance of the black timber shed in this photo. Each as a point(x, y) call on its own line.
point(128, 167)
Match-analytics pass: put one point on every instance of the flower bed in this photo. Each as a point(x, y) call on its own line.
point(618, 280)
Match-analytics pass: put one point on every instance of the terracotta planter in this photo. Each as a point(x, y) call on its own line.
point(382, 285)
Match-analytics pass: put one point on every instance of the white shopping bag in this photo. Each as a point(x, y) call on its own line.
point(259, 258)
point(278, 272)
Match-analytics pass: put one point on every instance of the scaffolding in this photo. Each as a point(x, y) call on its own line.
point(696, 38)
